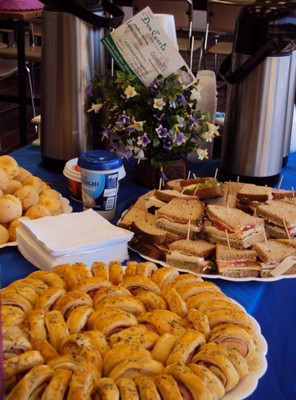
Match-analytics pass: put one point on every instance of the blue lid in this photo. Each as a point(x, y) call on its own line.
point(99, 160)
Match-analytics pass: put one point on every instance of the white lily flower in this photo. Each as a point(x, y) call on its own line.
point(159, 103)
point(212, 128)
point(95, 107)
point(130, 92)
point(202, 154)
point(196, 93)
point(208, 136)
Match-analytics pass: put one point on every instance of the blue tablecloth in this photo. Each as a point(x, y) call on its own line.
point(272, 304)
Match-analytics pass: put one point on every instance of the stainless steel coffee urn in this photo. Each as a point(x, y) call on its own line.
point(72, 54)
point(261, 77)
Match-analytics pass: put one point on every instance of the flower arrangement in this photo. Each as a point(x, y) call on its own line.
point(159, 123)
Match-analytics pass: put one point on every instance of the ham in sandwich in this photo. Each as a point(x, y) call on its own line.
point(237, 263)
point(230, 226)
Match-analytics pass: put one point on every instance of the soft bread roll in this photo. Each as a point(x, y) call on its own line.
point(116, 272)
point(194, 301)
point(12, 228)
point(135, 284)
point(188, 382)
point(175, 302)
point(213, 383)
point(167, 387)
point(49, 278)
point(100, 270)
point(22, 174)
point(91, 285)
point(163, 275)
point(70, 300)
point(53, 204)
point(78, 317)
point(27, 195)
point(108, 291)
point(81, 386)
point(163, 347)
point(185, 347)
point(220, 365)
point(163, 321)
point(147, 388)
point(125, 303)
point(30, 382)
point(4, 234)
point(46, 349)
point(58, 385)
point(48, 298)
point(21, 362)
point(11, 297)
point(35, 182)
point(199, 321)
point(14, 343)
point(67, 273)
point(136, 335)
point(9, 165)
point(238, 337)
point(99, 341)
point(37, 211)
point(10, 208)
point(114, 323)
point(127, 389)
point(37, 329)
point(152, 301)
point(107, 388)
point(121, 353)
point(12, 186)
point(136, 368)
point(4, 180)
point(56, 327)
point(81, 345)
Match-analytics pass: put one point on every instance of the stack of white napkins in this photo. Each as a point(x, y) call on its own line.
point(68, 238)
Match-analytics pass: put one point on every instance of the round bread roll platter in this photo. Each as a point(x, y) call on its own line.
point(24, 196)
point(111, 330)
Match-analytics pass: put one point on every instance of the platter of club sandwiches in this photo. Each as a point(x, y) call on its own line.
point(233, 231)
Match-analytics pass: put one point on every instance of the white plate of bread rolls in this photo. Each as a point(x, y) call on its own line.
point(122, 330)
point(23, 195)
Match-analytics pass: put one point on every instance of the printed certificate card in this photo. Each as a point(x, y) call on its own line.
point(140, 46)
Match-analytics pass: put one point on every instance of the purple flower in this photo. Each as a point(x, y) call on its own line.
point(143, 140)
point(89, 90)
point(155, 86)
point(167, 144)
point(181, 99)
point(180, 138)
point(105, 133)
point(123, 120)
point(127, 154)
point(161, 131)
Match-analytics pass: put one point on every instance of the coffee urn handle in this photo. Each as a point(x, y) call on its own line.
point(87, 16)
point(250, 64)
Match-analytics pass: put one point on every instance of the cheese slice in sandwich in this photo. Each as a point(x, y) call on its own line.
point(160, 198)
point(272, 253)
point(280, 219)
point(234, 227)
point(192, 255)
point(237, 263)
point(203, 188)
point(182, 217)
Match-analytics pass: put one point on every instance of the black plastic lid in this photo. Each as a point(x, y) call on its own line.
point(90, 5)
point(264, 20)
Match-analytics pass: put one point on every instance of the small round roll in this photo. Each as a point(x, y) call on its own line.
point(10, 208)
point(4, 234)
point(9, 165)
point(27, 195)
point(127, 389)
point(12, 228)
point(4, 180)
point(22, 174)
point(37, 211)
point(35, 182)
